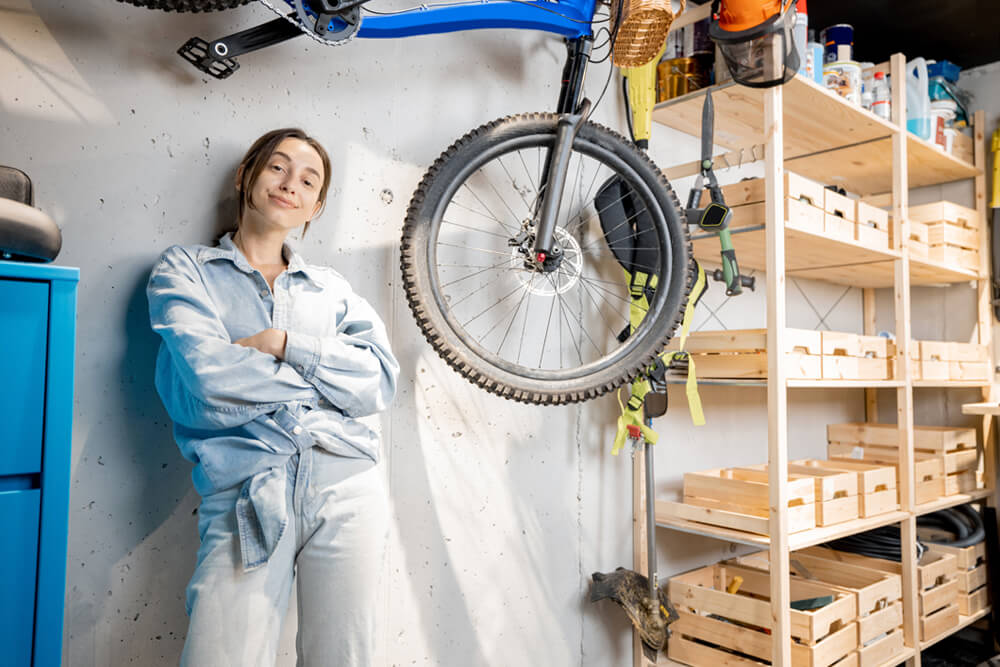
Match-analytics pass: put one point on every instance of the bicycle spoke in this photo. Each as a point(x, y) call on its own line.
point(507, 296)
point(465, 247)
point(475, 291)
point(514, 185)
point(527, 291)
point(569, 324)
point(545, 338)
point(526, 172)
point(597, 307)
point(472, 275)
point(475, 229)
point(492, 214)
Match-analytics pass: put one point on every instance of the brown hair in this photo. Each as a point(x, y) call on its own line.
point(256, 159)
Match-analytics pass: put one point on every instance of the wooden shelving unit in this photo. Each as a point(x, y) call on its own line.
point(815, 133)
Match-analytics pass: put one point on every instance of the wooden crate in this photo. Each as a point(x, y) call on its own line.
point(836, 227)
point(875, 592)
point(739, 622)
point(876, 483)
point(873, 229)
point(798, 215)
point(849, 356)
point(970, 580)
point(934, 358)
point(945, 211)
point(977, 600)
point(880, 651)
point(752, 191)
point(935, 439)
point(839, 205)
point(961, 482)
point(954, 256)
point(836, 496)
point(742, 353)
point(928, 468)
point(741, 493)
point(966, 558)
point(936, 584)
point(940, 622)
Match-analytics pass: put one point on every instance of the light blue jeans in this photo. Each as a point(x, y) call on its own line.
point(333, 549)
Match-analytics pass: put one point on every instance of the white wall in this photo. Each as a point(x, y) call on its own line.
point(501, 511)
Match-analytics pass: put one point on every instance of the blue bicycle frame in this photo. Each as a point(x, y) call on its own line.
point(569, 18)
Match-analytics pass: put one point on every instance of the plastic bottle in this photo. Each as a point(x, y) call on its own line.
point(814, 58)
point(881, 104)
point(800, 33)
point(918, 103)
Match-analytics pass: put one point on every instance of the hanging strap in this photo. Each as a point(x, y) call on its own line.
point(632, 413)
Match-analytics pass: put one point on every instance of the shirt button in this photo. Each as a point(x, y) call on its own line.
point(297, 430)
point(264, 292)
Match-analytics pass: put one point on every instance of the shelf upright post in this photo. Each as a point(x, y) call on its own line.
point(870, 329)
point(904, 395)
point(777, 386)
point(985, 307)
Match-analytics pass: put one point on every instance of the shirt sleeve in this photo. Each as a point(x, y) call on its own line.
point(354, 368)
point(215, 381)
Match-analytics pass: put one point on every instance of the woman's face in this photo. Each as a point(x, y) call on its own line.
point(286, 192)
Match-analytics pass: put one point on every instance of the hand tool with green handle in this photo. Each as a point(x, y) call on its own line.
point(716, 216)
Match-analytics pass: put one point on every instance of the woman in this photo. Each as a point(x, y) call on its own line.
point(265, 363)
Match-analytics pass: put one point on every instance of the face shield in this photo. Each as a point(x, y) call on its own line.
point(763, 55)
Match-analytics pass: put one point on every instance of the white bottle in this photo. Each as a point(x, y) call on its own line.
point(881, 104)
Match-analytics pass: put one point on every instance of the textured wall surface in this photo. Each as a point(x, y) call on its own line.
point(500, 511)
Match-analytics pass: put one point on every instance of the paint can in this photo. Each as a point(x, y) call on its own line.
point(844, 78)
point(838, 43)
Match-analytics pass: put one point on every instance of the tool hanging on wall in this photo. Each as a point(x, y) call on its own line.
point(716, 216)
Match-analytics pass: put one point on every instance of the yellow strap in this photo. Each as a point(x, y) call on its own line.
point(633, 417)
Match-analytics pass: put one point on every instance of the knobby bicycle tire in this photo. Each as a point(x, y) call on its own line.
point(187, 5)
point(421, 265)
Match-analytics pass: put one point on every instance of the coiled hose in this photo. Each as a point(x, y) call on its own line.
point(962, 521)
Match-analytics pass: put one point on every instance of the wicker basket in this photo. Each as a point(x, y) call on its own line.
point(642, 30)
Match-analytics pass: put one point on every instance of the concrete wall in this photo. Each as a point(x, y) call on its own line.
point(501, 511)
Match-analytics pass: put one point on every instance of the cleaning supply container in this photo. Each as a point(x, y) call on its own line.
point(918, 103)
point(942, 117)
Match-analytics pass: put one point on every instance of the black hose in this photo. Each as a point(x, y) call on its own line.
point(965, 523)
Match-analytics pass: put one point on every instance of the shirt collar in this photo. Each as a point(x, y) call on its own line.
point(228, 250)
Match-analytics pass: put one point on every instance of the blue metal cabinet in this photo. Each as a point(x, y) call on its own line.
point(37, 341)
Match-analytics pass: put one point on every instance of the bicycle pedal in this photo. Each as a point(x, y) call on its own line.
point(196, 51)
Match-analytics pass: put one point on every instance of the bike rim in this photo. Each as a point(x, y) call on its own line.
point(550, 327)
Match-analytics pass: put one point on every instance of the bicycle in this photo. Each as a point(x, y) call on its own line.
point(531, 217)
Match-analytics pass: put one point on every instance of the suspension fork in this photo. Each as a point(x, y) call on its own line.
point(573, 113)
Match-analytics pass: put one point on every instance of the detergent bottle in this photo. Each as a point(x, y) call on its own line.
point(918, 103)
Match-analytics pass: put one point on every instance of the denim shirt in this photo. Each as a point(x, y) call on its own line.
point(239, 414)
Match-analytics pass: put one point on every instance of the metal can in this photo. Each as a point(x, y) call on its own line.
point(844, 78)
point(838, 43)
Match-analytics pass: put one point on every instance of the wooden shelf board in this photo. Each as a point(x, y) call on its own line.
point(843, 384)
point(963, 621)
point(808, 255)
point(944, 384)
point(907, 653)
point(844, 144)
point(926, 272)
point(991, 408)
point(723, 382)
point(806, 538)
point(951, 501)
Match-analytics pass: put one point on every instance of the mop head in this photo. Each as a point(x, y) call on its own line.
point(631, 591)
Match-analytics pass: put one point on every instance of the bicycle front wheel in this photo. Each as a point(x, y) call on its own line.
point(551, 335)
point(187, 5)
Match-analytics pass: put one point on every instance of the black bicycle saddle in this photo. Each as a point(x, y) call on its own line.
point(26, 234)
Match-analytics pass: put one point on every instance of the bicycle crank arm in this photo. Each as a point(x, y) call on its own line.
point(554, 180)
point(218, 58)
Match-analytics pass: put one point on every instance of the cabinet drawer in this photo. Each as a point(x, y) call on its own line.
point(18, 559)
point(24, 310)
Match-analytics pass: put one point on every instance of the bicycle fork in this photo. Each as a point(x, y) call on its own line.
point(573, 114)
